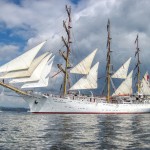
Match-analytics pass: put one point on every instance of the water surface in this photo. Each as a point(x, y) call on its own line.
point(87, 132)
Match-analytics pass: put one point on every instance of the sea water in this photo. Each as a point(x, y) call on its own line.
point(23, 130)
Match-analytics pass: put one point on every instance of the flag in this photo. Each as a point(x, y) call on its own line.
point(147, 77)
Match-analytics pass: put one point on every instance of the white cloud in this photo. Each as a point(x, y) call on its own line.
point(12, 101)
point(8, 51)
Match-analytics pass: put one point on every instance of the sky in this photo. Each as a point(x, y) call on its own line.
point(25, 23)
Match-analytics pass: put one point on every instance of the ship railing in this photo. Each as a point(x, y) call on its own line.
point(80, 97)
point(146, 101)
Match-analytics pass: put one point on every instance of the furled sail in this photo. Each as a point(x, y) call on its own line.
point(122, 71)
point(87, 81)
point(145, 86)
point(36, 73)
point(27, 72)
point(84, 66)
point(23, 61)
point(43, 82)
point(126, 86)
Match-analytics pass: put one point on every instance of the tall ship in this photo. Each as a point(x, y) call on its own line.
point(33, 72)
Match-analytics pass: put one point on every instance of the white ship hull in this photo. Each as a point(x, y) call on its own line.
point(55, 105)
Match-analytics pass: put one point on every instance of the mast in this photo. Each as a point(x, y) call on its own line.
point(137, 54)
point(65, 55)
point(108, 66)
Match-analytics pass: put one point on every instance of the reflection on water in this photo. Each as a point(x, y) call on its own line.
point(29, 131)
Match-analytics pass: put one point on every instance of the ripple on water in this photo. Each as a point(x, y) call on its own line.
point(29, 131)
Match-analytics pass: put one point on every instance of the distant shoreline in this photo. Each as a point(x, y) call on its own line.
point(19, 109)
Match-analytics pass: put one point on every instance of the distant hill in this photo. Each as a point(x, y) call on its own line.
point(14, 109)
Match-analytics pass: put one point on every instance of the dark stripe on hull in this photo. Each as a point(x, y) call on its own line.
point(90, 112)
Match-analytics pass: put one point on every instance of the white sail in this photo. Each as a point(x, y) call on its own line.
point(84, 66)
point(36, 74)
point(43, 82)
point(24, 73)
point(87, 81)
point(23, 61)
point(145, 86)
point(121, 73)
point(126, 86)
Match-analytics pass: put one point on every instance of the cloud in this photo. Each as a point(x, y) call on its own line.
point(8, 51)
point(12, 101)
